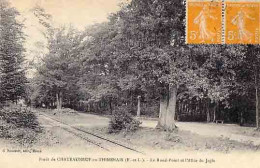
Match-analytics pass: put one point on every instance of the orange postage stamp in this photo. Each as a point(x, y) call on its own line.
point(204, 22)
point(241, 22)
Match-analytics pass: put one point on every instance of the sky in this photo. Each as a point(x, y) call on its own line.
point(77, 12)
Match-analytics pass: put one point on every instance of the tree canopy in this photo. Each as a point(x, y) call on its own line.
point(12, 71)
point(141, 51)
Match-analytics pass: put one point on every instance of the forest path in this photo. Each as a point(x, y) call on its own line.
point(234, 132)
point(72, 132)
point(246, 135)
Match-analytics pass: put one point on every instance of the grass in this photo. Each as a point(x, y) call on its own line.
point(157, 140)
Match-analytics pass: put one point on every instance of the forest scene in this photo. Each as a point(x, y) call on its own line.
point(130, 81)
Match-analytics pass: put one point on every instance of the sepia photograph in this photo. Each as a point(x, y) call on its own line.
point(129, 83)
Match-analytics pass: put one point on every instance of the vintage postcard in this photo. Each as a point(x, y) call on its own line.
point(129, 83)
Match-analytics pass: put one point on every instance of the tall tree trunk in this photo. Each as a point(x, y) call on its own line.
point(168, 110)
point(163, 112)
point(207, 110)
point(59, 100)
point(138, 106)
point(110, 106)
point(214, 112)
point(171, 110)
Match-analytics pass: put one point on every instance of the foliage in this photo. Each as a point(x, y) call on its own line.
point(12, 72)
point(140, 51)
point(19, 124)
point(19, 117)
point(122, 120)
point(59, 72)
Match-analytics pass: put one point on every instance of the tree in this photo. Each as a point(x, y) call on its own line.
point(135, 46)
point(58, 74)
point(154, 33)
point(248, 76)
point(12, 72)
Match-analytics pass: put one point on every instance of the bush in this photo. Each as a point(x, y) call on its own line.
point(122, 120)
point(19, 124)
point(19, 117)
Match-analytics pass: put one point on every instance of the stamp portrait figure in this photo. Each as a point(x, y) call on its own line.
point(201, 20)
point(240, 21)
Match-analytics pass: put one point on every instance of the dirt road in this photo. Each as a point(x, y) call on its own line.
point(65, 136)
point(71, 134)
point(230, 131)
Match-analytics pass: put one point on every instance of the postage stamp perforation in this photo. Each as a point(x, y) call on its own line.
point(186, 20)
point(222, 21)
